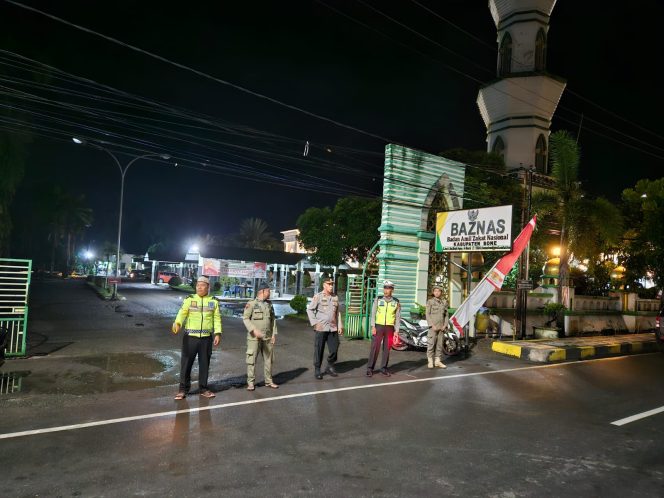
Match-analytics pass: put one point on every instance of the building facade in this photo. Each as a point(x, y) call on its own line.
point(517, 108)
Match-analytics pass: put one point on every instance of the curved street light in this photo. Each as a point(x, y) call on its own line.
point(123, 172)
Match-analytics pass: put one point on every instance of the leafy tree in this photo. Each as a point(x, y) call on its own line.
point(13, 146)
point(318, 233)
point(346, 232)
point(12, 165)
point(511, 278)
point(643, 246)
point(487, 183)
point(598, 227)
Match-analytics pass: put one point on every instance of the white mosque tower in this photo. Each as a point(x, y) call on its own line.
point(517, 108)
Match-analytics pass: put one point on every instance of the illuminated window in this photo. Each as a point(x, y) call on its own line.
point(505, 66)
point(540, 51)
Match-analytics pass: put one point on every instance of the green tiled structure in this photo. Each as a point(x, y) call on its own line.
point(412, 180)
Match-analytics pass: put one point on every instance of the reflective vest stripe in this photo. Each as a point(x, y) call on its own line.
point(198, 332)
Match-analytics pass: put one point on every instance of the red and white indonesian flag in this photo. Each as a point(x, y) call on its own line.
point(493, 280)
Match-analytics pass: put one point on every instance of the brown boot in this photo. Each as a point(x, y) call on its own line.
point(439, 364)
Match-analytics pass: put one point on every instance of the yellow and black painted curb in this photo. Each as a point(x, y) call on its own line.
point(543, 353)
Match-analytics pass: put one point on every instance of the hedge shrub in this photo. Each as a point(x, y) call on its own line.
point(299, 303)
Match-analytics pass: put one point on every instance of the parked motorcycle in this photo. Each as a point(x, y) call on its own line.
point(411, 335)
point(451, 342)
point(414, 336)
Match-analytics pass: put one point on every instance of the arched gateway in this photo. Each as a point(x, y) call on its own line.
point(416, 184)
point(415, 187)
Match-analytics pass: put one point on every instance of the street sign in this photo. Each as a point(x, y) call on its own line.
point(113, 280)
point(524, 285)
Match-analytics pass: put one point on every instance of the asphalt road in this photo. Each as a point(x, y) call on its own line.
point(104, 423)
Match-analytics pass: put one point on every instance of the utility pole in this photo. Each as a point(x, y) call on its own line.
point(523, 284)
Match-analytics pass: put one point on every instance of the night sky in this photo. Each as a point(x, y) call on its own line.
point(396, 85)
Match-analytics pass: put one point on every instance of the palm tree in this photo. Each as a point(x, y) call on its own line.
point(253, 234)
point(68, 216)
point(564, 157)
point(108, 250)
point(587, 227)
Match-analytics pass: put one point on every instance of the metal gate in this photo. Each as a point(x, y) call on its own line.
point(360, 295)
point(14, 285)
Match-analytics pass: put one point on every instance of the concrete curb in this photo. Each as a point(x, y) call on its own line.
point(539, 352)
point(101, 295)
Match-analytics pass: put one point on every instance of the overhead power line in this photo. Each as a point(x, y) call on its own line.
point(180, 112)
point(568, 90)
point(198, 72)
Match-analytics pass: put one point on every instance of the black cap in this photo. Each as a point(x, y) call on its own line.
point(263, 286)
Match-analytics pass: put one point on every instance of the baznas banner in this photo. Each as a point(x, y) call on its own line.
point(486, 229)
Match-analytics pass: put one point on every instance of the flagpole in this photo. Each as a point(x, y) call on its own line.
point(469, 288)
point(492, 281)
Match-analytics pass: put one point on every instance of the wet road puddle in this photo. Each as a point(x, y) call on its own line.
point(134, 365)
point(97, 374)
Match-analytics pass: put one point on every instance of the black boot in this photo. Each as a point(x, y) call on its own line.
point(317, 374)
point(331, 371)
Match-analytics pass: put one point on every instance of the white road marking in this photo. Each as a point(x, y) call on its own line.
point(638, 416)
point(99, 423)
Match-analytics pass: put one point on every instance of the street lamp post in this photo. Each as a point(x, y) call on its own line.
point(123, 172)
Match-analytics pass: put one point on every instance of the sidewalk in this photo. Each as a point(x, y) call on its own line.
point(577, 348)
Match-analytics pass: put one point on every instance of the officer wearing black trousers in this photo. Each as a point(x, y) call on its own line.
point(385, 319)
point(201, 318)
point(325, 318)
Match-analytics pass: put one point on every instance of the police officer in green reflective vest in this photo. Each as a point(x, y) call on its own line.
point(261, 327)
point(200, 316)
point(385, 320)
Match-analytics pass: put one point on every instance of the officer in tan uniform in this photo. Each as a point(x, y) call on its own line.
point(261, 327)
point(436, 315)
point(325, 318)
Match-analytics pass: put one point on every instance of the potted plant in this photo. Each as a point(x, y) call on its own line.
point(418, 312)
point(556, 321)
